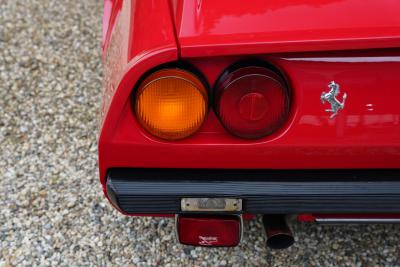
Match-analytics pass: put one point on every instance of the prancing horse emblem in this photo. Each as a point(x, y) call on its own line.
point(330, 97)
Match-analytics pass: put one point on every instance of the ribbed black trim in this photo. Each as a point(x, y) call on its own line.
point(263, 191)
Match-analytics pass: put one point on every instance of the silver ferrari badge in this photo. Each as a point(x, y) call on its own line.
point(330, 97)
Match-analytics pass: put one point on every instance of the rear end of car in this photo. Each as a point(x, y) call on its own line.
point(214, 112)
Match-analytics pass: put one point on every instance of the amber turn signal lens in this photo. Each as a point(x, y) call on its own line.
point(171, 104)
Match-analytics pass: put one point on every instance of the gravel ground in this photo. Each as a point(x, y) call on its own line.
point(52, 211)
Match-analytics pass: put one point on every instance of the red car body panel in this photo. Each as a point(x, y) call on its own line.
point(212, 35)
point(128, 53)
point(209, 28)
point(365, 135)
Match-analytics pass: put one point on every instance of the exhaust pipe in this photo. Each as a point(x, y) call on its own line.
point(278, 232)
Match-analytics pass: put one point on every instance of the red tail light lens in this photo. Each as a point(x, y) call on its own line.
point(209, 231)
point(252, 101)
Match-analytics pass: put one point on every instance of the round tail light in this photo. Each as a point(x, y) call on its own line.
point(252, 101)
point(171, 104)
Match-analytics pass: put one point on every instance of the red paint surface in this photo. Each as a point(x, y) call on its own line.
point(230, 27)
point(306, 217)
point(129, 53)
point(110, 14)
point(366, 134)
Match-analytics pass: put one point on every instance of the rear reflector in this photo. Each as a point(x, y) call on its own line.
point(251, 101)
point(209, 230)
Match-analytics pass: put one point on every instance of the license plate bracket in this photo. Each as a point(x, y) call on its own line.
point(205, 204)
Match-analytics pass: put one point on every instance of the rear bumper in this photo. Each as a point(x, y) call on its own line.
point(159, 191)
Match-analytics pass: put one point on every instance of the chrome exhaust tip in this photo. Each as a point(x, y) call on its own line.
point(279, 235)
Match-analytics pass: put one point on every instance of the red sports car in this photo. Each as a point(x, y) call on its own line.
point(216, 111)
